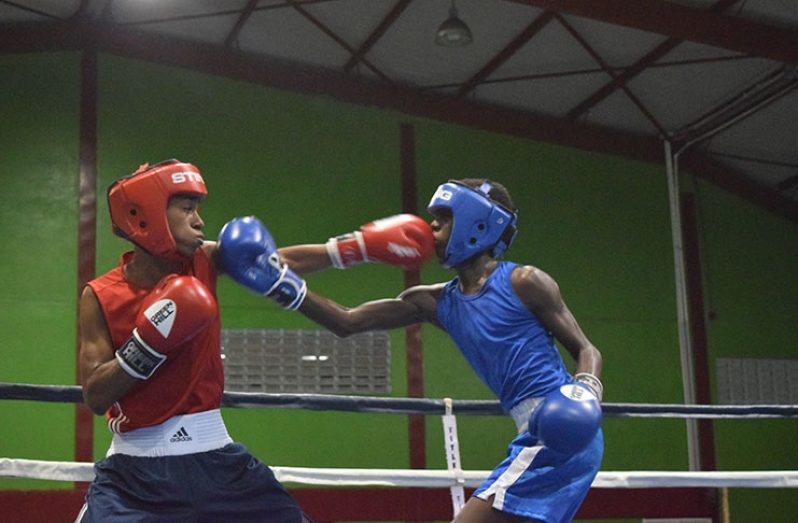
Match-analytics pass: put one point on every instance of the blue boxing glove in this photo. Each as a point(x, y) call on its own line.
point(248, 254)
point(568, 418)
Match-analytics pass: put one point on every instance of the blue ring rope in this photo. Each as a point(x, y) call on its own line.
point(422, 406)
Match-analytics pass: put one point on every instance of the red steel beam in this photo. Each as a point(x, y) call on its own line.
point(623, 78)
point(242, 19)
point(505, 54)
point(87, 227)
point(37, 37)
point(215, 60)
point(638, 67)
point(739, 185)
point(698, 325)
point(375, 35)
point(414, 346)
point(612, 74)
point(685, 23)
point(336, 38)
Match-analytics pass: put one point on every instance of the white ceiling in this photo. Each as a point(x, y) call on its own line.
point(736, 60)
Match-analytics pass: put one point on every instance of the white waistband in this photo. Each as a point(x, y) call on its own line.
point(521, 412)
point(177, 436)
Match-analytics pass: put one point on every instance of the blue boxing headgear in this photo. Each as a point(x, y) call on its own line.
point(478, 223)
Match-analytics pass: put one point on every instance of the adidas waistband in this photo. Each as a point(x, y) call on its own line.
point(177, 436)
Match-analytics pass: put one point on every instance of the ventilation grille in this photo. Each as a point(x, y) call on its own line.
point(306, 361)
point(750, 381)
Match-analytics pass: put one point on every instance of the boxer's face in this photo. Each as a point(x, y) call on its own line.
point(441, 229)
point(185, 223)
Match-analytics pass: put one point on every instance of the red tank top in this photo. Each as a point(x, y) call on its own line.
point(191, 380)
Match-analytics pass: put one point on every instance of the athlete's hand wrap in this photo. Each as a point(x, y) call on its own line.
point(175, 311)
point(248, 254)
point(404, 239)
point(567, 419)
point(591, 382)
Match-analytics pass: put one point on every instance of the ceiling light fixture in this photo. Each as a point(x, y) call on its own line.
point(453, 32)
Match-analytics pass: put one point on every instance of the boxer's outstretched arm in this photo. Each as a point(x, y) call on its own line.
point(405, 240)
point(415, 305)
point(304, 259)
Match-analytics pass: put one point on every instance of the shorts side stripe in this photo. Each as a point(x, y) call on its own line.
point(510, 476)
point(82, 512)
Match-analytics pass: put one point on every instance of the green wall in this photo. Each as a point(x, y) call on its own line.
point(312, 168)
point(309, 169)
point(751, 290)
point(600, 227)
point(38, 265)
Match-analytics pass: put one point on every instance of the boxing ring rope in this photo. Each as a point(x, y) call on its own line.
point(455, 478)
point(340, 477)
point(422, 406)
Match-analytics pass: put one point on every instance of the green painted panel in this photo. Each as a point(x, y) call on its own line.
point(38, 271)
point(600, 227)
point(751, 292)
point(312, 168)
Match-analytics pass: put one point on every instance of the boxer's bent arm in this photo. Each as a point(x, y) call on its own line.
point(541, 295)
point(416, 305)
point(103, 380)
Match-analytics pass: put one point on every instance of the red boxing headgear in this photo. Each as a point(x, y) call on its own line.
point(138, 203)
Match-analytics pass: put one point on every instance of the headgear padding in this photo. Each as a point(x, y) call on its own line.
point(138, 203)
point(478, 223)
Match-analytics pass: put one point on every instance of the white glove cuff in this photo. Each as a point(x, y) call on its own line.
point(361, 243)
point(592, 382)
point(332, 252)
point(334, 249)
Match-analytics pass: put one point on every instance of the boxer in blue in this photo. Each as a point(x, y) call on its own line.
point(504, 318)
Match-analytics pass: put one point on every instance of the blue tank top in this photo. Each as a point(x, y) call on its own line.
point(502, 340)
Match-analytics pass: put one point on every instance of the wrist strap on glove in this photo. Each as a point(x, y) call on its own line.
point(289, 290)
point(347, 250)
point(137, 358)
point(591, 382)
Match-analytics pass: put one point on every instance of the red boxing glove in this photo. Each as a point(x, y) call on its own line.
point(403, 239)
point(177, 309)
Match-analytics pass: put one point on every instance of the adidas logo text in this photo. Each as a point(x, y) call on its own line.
point(180, 435)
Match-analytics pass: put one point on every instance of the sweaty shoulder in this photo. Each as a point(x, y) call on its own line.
point(425, 299)
point(534, 287)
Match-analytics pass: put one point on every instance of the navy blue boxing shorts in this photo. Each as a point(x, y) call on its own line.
point(223, 485)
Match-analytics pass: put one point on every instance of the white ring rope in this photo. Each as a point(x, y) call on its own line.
point(71, 471)
point(454, 478)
